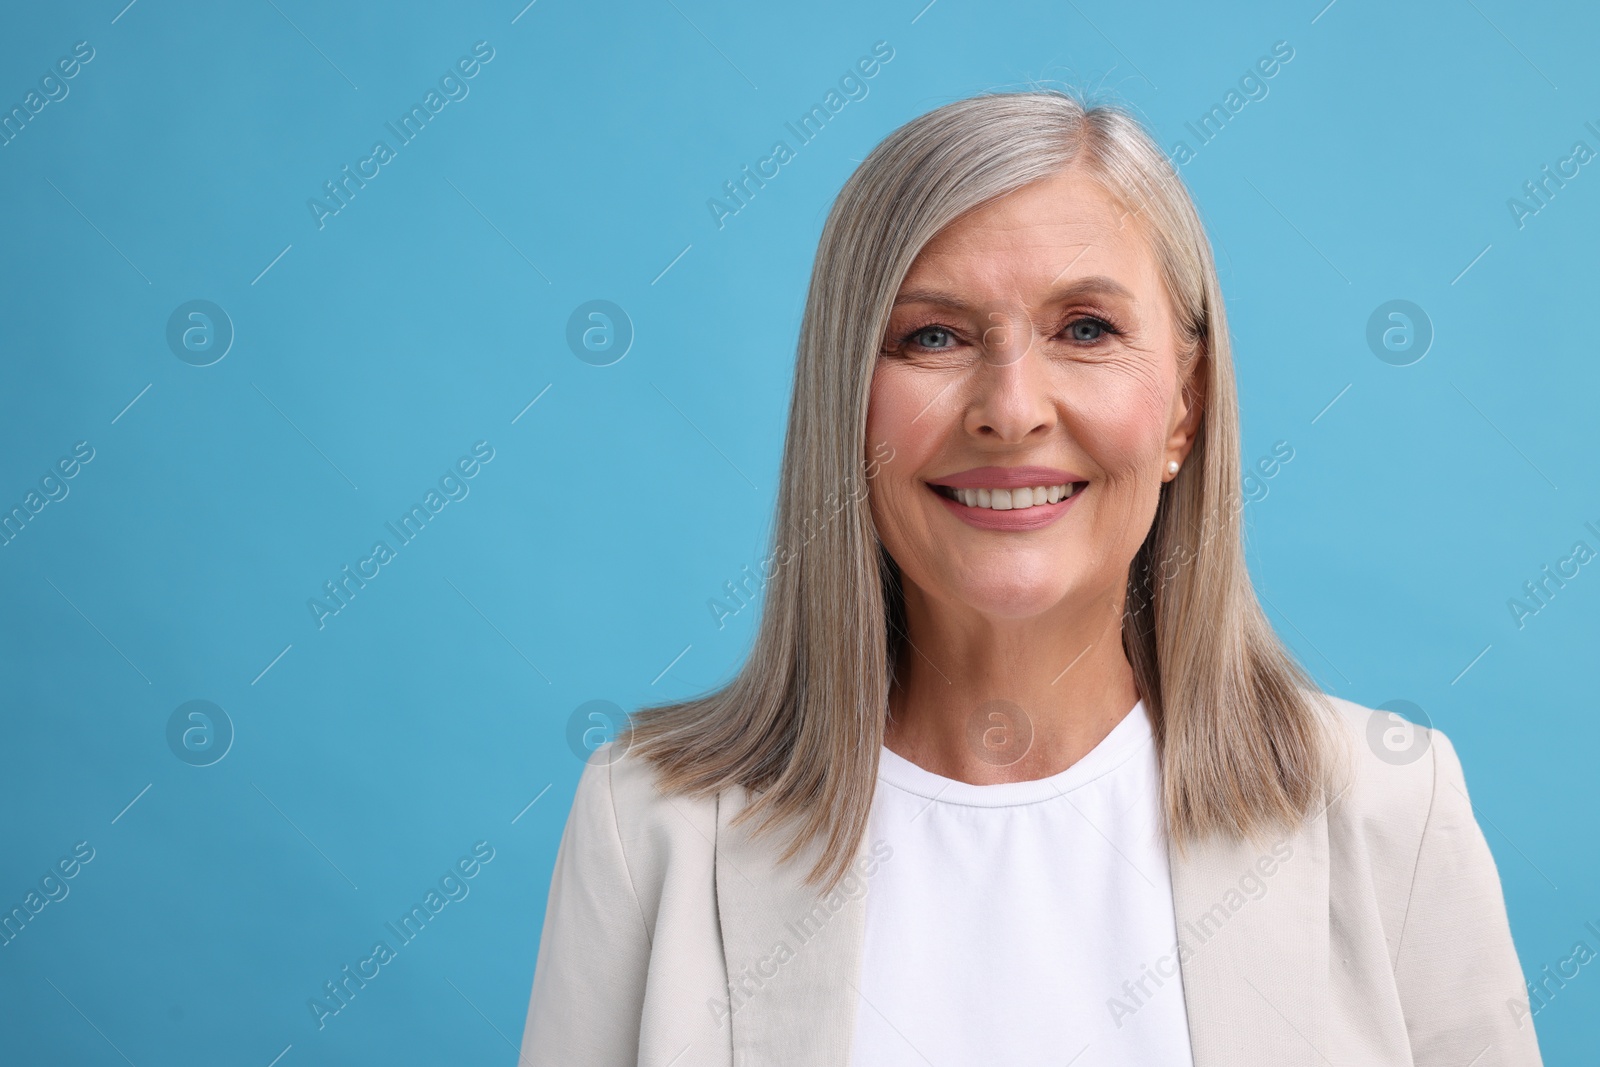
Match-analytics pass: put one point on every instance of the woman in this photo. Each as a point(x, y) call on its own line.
point(1017, 771)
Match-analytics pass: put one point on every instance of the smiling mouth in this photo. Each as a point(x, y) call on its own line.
point(1011, 499)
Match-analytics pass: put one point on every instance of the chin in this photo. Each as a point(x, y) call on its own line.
point(1014, 599)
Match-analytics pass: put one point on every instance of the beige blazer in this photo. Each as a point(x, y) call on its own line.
point(672, 939)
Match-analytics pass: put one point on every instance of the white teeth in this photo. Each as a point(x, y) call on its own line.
point(1009, 499)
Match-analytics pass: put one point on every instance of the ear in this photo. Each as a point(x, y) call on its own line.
point(1189, 406)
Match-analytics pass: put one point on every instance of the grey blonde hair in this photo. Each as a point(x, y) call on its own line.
point(1248, 746)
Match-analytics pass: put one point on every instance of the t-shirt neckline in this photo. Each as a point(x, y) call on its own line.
point(1128, 737)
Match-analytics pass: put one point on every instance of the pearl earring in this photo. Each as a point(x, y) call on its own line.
point(1172, 466)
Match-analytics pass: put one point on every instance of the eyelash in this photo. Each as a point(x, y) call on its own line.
point(1105, 326)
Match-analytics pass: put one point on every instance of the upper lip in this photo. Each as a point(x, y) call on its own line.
point(1007, 478)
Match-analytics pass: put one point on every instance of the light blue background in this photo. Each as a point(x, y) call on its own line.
point(432, 310)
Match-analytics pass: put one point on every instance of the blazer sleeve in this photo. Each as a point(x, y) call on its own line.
point(589, 980)
point(1460, 982)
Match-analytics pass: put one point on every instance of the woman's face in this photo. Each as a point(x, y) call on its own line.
point(1032, 332)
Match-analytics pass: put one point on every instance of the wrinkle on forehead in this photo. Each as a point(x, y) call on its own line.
point(1013, 252)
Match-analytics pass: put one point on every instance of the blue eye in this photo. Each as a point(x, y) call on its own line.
point(1086, 330)
point(919, 337)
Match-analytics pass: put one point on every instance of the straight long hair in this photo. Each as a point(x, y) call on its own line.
point(1248, 746)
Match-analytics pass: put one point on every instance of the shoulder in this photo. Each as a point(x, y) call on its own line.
point(631, 786)
point(632, 897)
point(656, 836)
point(1396, 763)
point(1409, 860)
point(1405, 791)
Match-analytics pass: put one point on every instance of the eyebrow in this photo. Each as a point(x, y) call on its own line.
point(1094, 285)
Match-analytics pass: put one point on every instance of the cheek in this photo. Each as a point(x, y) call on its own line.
point(899, 419)
point(893, 408)
point(1125, 424)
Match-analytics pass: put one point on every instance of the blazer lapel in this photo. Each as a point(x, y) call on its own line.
point(793, 955)
point(1253, 934)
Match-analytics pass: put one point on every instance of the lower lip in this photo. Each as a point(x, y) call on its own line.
point(1034, 518)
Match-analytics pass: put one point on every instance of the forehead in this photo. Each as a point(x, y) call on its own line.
point(1038, 236)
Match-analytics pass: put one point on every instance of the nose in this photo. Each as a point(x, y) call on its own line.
point(1012, 398)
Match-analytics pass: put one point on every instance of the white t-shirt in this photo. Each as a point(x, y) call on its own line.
point(1024, 923)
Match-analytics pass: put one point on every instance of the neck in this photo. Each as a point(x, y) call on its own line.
point(986, 700)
